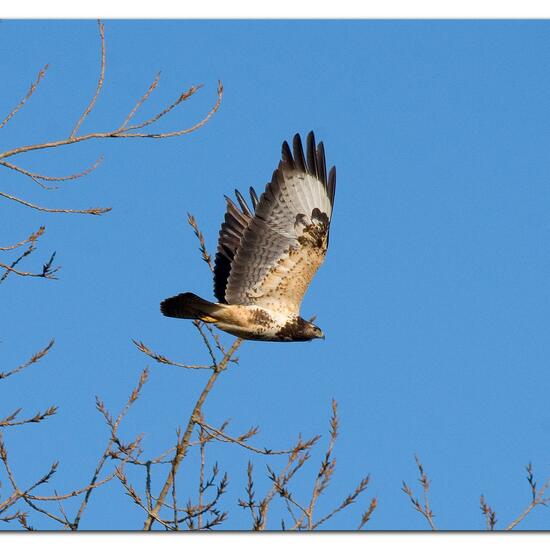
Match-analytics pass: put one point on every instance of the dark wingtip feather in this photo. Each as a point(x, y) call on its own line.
point(242, 203)
point(287, 155)
point(221, 273)
point(331, 187)
point(299, 159)
point(253, 197)
point(316, 161)
point(321, 163)
point(312, 155)
point(232, 210)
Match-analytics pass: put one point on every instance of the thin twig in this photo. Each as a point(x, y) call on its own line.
point(425, 509)
point(294, 463)
point(202, 245)
point(182, 97)
point(199, 326)
point(164, 360)
point(350, 499)
point(326, 469)
point(45, 273)
point(203, 439)
point(37, 177)
point(33, 237)
point(10, 421)
point(141, 101)
point(537, 497)
point(216, 339)
point(367, 515)
point(135, 497)
point(32, 88)
point(489, 513)
point(91, 211)
point(47, 270)
point(34, 359)
point(222, 436)
point(113, 425)
point(100, 81)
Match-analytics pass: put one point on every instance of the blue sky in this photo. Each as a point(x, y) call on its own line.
point(434, 297)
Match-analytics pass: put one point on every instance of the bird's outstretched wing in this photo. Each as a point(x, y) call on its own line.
point(235, 222)
point(268, 257)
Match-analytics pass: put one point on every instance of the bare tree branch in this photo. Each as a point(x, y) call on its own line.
point(37, 177)
point(220, 435)
point(182, 447)
point(350, 499)
point(327, 465)
point(489, 513)
point(202, 245)
point(367, 515)
point(537, 497)
point(33, 237)
point(425, 509)
point(48, 272)
point(113, 440)
point(34, 359)
point(91, 211)
point(165, 361)
point(123, 131)
point(38, 417)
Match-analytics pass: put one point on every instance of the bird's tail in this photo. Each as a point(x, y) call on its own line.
point(190, 306)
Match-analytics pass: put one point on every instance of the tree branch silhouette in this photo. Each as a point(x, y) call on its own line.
point(124, 130)
point(13, 255)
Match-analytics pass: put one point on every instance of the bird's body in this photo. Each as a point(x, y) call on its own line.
point(267, 256)
point(248, 322)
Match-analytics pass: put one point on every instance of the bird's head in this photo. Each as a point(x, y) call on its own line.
point(314, 331)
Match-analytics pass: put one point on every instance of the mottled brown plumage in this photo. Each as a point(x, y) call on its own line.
point(267, 255)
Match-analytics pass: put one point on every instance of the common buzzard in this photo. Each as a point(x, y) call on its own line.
point(268, 255)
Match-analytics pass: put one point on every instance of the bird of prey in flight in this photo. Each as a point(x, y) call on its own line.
point(267, 255)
